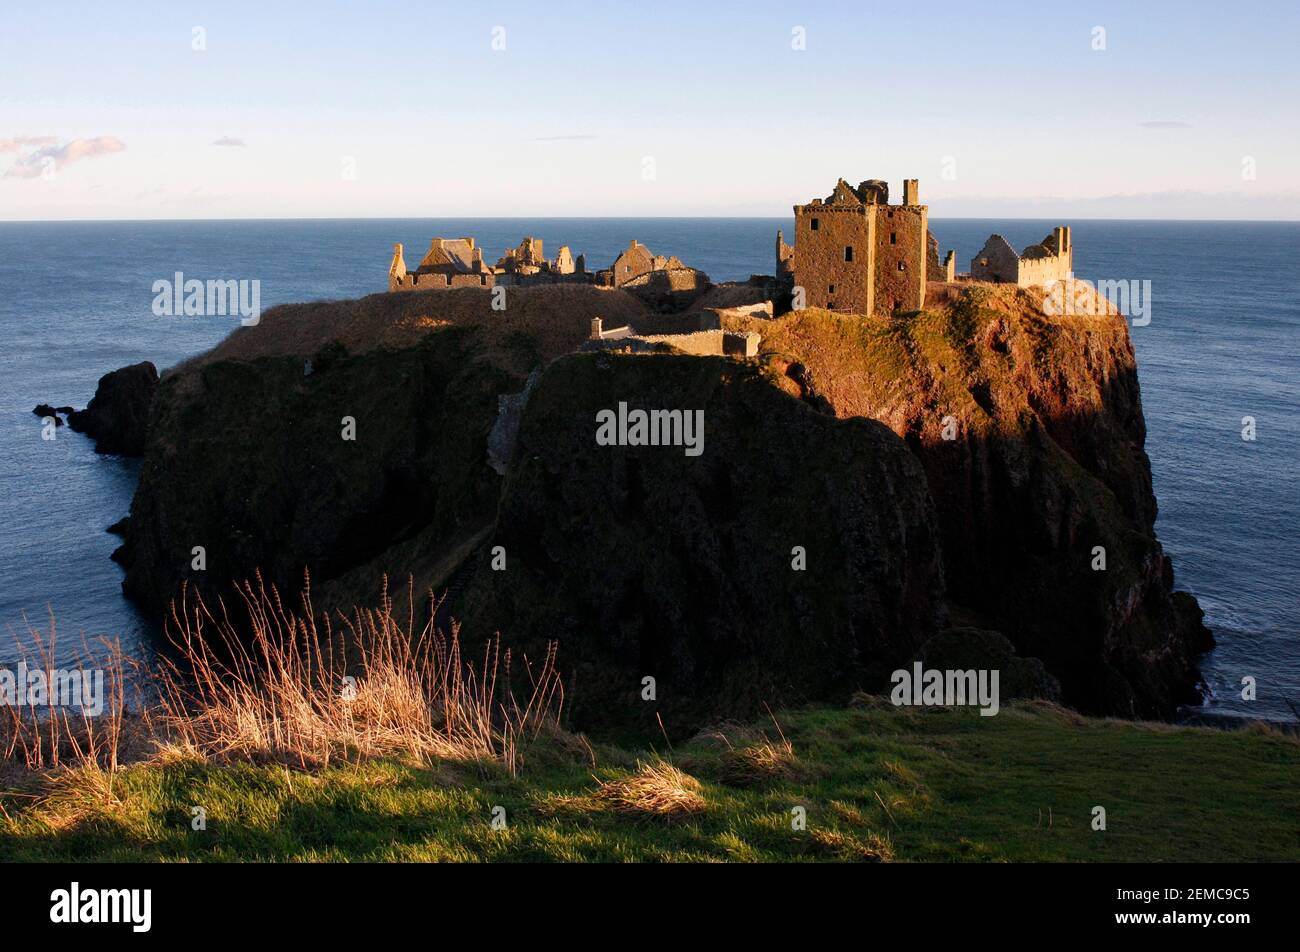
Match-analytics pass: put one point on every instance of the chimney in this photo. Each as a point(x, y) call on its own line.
point(596, 325)
point(911, 191)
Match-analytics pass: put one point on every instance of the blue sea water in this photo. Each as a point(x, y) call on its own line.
point(1223, 344)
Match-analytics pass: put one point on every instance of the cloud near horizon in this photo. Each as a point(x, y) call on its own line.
point(32, 164)
point(19, 143)
point(231, 140)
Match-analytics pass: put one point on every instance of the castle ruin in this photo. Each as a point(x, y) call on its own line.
point(1051, 260)
point(458, 263)
point(855, 252)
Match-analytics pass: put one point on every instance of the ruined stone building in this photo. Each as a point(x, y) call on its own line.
point(456, 262)
point(449, 263)
point(527, 264)
point(636, 261)
point(855, 252)
point(1050, 260)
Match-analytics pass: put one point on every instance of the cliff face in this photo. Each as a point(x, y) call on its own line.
point(117, 416)
point(249, 456)
point(796, 557)
point(1015, 457)
point(1031, 434)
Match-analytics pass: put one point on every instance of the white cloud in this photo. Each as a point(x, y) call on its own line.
point(33, 163)
point(20, 143)
point(230, 140)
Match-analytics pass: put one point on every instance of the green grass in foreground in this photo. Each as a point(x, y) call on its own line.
point(876, 782)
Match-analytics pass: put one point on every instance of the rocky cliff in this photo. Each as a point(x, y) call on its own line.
point(1031, 434)
point(970, 460)
point(795, 557)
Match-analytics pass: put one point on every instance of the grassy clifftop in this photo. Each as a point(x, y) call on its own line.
point(877, 783)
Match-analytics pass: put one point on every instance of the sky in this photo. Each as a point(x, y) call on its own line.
point(231, 109)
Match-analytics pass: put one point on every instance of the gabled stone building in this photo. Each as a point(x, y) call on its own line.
point(449, 263)
point(638, 260)
point(855, 252)
point(1052, 259)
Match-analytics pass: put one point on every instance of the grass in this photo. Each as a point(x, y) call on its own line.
point(875, 783)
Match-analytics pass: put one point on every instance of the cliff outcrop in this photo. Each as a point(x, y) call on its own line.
point(117, 416)
point(795, 557)
point(968, 461)
point(1031, 433)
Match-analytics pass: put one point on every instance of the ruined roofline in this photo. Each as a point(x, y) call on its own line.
point(868, 193)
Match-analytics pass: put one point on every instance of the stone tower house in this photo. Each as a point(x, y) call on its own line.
point(855, 252)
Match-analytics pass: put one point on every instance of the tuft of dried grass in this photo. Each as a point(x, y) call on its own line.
point(758, 763)
point(869, 848)
point(750, 757)
point(655, 789)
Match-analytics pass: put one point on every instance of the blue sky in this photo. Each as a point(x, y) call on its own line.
point(338, 109)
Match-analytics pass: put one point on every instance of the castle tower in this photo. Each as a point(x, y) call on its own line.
point(855, 252)
point(902, 250)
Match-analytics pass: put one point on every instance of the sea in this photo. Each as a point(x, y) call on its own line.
point(1218, 357)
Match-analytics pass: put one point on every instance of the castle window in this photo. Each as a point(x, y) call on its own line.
point(902, 266)
point(830, 305)
point(848, 252)
point(893, 237)
point(831, 290)
point(813, 224)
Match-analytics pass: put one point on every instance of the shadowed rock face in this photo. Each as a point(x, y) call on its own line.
point(117, 417)
point(251, 461)
point(1030, 431)
point(643, 562)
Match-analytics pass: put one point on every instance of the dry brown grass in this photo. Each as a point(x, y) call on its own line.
point(868, 848)
point(654, 789)
point(556, 317)
point(283, 687)
point(749, 757)
point(758, 763)
point(305, 691)
point(57, 729)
